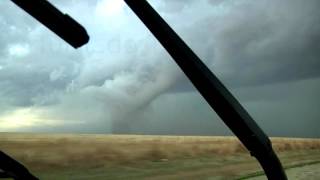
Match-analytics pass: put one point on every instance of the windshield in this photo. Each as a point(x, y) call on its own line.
point(124, 82)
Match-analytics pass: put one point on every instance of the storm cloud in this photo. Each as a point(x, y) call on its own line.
point(123, 81)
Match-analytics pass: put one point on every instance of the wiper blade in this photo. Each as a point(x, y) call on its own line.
point(13, 169)
point(61, 24)
point(213, 91)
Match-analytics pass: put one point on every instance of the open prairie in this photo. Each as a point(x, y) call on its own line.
point(87, 156)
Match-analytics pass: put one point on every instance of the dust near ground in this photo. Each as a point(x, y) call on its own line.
point(83, 156)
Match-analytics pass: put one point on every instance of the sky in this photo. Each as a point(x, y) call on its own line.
point(123, 81)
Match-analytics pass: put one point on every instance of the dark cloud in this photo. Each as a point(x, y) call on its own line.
point(259, 42)
point(275, 42)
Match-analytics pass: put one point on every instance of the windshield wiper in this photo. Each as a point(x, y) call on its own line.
point(13, 169)
point(61, 24)
point(214, 92)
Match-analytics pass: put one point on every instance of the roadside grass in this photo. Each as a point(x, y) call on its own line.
point(70, 156)
point(152, 169)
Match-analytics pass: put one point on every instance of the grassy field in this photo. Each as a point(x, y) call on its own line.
point(70, 156)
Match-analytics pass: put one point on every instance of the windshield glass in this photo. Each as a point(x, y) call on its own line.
point(124, 82)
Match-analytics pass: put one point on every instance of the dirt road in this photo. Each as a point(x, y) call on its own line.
point(310, 172)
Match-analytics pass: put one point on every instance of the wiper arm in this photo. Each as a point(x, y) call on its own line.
point(214, 92)
point(61, 24)
point(13, 169)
